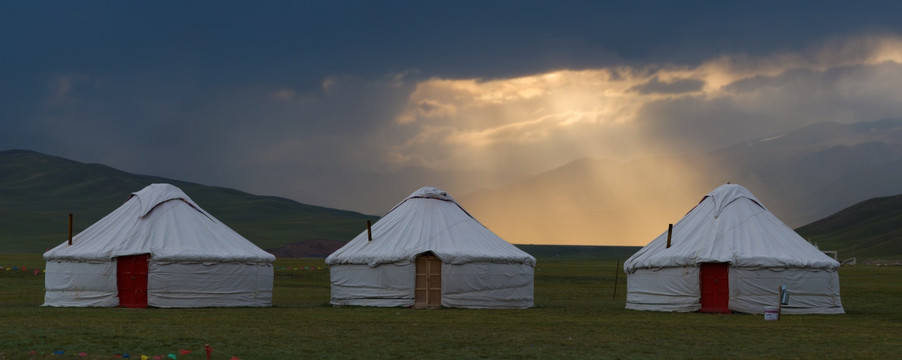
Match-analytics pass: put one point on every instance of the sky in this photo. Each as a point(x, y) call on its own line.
point(354, 104)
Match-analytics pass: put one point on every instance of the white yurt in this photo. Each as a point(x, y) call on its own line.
point(730, 253)
point(158, 249)
point(428, 251)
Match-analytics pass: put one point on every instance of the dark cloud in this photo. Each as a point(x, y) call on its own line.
point(263, 41)
point(763, 106)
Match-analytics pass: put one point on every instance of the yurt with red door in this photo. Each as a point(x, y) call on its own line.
point(158, 249)
point(428, 251)
point(730, 253)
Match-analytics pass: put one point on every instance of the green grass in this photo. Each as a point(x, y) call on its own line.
point(575, 316)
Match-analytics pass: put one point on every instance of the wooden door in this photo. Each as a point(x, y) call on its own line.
point(131, 280)
point(714, 279)
point(428, 290)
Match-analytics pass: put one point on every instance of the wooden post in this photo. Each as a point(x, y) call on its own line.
point(669, 233)
point(616, 275)
point(779, 302)
point(781, 298)
point(369, 231)
point(70, 229)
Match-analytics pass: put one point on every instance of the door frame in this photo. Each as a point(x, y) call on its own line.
point(131, 280)
point(714, 287)
point(428, 281)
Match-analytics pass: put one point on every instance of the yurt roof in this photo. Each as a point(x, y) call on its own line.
point(164, 222)
point(428, 220)
point(730, 225)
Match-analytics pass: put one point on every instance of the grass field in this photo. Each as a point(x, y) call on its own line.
point(575, 316)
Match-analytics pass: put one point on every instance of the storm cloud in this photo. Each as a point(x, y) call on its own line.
point(354, 105)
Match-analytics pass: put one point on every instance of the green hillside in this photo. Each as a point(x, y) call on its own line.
point(869, 229)
point(38, 191)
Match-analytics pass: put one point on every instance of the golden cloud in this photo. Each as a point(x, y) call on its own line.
point(469, 116)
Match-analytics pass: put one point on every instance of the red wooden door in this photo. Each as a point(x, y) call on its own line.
point(714, 279)
point(131, 279)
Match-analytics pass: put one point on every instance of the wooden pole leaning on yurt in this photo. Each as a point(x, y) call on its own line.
point(70, 229)
point(783, 299)
point(669, 233)
point(369, 231)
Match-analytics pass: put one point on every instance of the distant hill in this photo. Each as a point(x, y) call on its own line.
point(801, 176)
point(871, 228)
point(575, 251)
point(38, 191)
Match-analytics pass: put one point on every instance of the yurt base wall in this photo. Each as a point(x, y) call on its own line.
point(181, 285)
point(488, 286)
point(811, 291)
point(386, 285)
point(473, 285)
point(664, 289)
point(80, 284)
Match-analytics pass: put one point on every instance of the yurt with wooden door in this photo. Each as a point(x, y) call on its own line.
point(730, 253)
point(428, 251)
point(158, 249)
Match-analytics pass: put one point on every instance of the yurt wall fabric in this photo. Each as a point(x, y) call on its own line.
point(729, 225)
point(479, 269)
point(195, 260)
